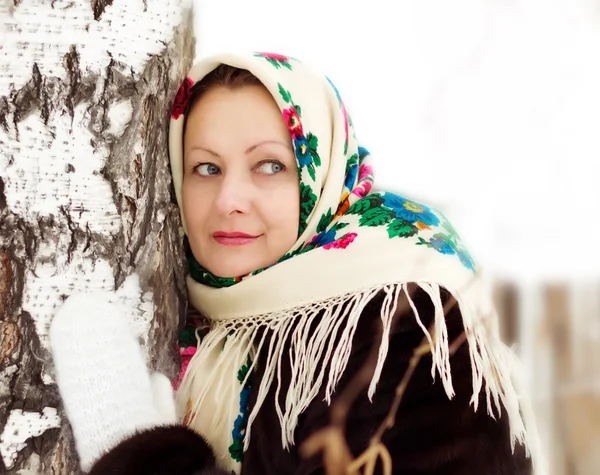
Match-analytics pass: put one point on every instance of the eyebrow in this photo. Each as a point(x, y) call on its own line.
point(248, 150)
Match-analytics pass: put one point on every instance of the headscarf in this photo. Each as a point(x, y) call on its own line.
point(354, 243)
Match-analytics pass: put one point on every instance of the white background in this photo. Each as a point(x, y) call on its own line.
point(488, 109)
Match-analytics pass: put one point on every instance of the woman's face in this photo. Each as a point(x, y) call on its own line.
point(241, 199)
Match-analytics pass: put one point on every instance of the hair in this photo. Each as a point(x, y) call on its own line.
point(223, 76)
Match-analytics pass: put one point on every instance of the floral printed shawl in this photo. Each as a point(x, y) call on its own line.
point(353, 244)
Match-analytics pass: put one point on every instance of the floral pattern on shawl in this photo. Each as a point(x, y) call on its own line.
point(182, 98)
point(399, 216)
point(236, 449)
point(277, 60)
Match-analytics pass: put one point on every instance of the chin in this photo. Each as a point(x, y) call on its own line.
point(230, 272)
point(242, 272)
point(237, 270)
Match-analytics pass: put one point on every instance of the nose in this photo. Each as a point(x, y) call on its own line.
point(234, 196)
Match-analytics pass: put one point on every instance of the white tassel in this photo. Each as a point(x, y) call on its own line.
point(422, 326)
point(318, 341)
point(388, 310)
point(440, 351)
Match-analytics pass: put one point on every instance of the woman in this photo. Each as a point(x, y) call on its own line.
point(300, 268)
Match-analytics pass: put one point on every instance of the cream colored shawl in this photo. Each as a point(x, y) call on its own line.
point(354, 243)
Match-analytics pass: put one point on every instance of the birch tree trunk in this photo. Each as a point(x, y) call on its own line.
point(85, 193)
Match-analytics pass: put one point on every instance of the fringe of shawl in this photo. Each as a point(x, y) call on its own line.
point(322, 332)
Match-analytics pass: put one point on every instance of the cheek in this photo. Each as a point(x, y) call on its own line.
point(283, 211)
point(194, 204)
point(280, 209)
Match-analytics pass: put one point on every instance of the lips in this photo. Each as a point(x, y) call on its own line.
point(234, 238)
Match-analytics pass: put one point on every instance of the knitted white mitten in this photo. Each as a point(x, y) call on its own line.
point(107, 391)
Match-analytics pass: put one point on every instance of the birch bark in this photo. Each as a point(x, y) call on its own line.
point(86, 199)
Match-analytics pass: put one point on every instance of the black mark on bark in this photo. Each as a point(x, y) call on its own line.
point(45, 94)
point(98, 7)
point(119, 84)
point(73, 229)
point(2, 195)
point(17, 236)
point(4, 113)
point(27, 99)
point(71, 63)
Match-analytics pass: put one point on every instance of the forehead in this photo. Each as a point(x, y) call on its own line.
point(243, 105)
point(226, 117)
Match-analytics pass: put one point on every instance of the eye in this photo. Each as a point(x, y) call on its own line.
point(206, 169)
point(271, 167)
